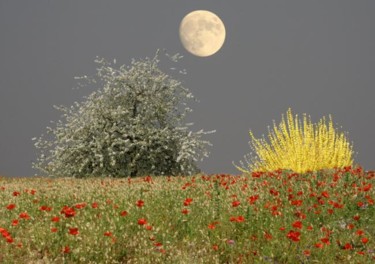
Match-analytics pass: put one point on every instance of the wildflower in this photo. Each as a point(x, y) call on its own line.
point(140, 203)
point(73, 231)
point(325, 194)
point(297, 202)
point(188, 201)
point(24, 215)
point(15, 222)
point(66, 249)
point(230, 242)
point(68, 211)
point(319, 245)
point(80, 205)
point(294, 235)
point(53, 229)
point(359, 232)
point(185, 211)
point(236, 203)
point(348, 246)
point(364, 240)
point(55, 219)
point(11, 206)
point(307, 252)
point(215, 247)
point(124, 213)
point(108, 234)
point(297, 224)
point(325, 240)
point(149, 227)
point(45, 208)
point(16, 193)
point(252, 199)
point(94, 205)
point(142, 221)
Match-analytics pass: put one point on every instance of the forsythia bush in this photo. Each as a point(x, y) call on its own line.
point(131, 127)
point(301, 149)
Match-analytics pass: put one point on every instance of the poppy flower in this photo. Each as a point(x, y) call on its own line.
point(55, 219)
point(142, 221)
point(319, 245)
point(188, 201)
point(16, 193)
point(53, 229)
point(297, 224)
point(348, 246)
point(68, 211)
point(185, 211)
point(236, 203)
point(364, 240)
point(66, 249)
point(140, 203)
point(294, 235)
point(11, 206)
point(215, 247)
point(307, 252)
point(73, 231)
point(24, 215)
point(15, 222)
point(94, 205)
point(108, 234)
point(124, 213)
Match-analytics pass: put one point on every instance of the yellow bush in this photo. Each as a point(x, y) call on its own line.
point(301, 149)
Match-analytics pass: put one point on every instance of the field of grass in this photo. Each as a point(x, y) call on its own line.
point(280, 217)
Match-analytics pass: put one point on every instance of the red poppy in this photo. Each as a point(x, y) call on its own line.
point(319, 245)
point(108, 234)
point(24, 215)
point(45, 208)
point(307, 252)
point(124, 213)
point(348, 246)
point(325, 194)
point(325, 240)
point(11, 206)
point(188, 201)
point(68, 211)
point(236, 203)
point(297, 224)
point(294, 235)
point(66, 249)
point(140, 203)
point(16, 193)
point(215, 247)
point(73, 231)
point(94, 205)
point(142, 221)
point(359, 232)
point(252, 199)
point(148, 227)
point(364, 240)
point(185, 211)
point(356, 217)
point(80, 205)
point(297, 202)
point(15, 222)
point(55, 219)
point(53, 229)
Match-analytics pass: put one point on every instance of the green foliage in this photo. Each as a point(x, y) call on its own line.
point(132, 126)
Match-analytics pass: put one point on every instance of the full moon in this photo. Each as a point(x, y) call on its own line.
point(202, 33)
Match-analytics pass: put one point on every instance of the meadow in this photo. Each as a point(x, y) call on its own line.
point(326, 216)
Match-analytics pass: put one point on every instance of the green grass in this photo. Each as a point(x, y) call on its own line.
point(280, 217)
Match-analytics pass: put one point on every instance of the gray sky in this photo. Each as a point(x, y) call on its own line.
point(317, 57)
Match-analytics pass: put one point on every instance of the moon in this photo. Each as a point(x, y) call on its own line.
point(202, 33)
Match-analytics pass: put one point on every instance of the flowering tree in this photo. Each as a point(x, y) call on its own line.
point(132, 126)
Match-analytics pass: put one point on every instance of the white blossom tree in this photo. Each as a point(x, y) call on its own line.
point(131, 126)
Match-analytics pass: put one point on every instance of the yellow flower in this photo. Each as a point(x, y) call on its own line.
point(300, 148)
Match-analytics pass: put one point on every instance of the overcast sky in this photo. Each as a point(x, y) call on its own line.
point(317, 57)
